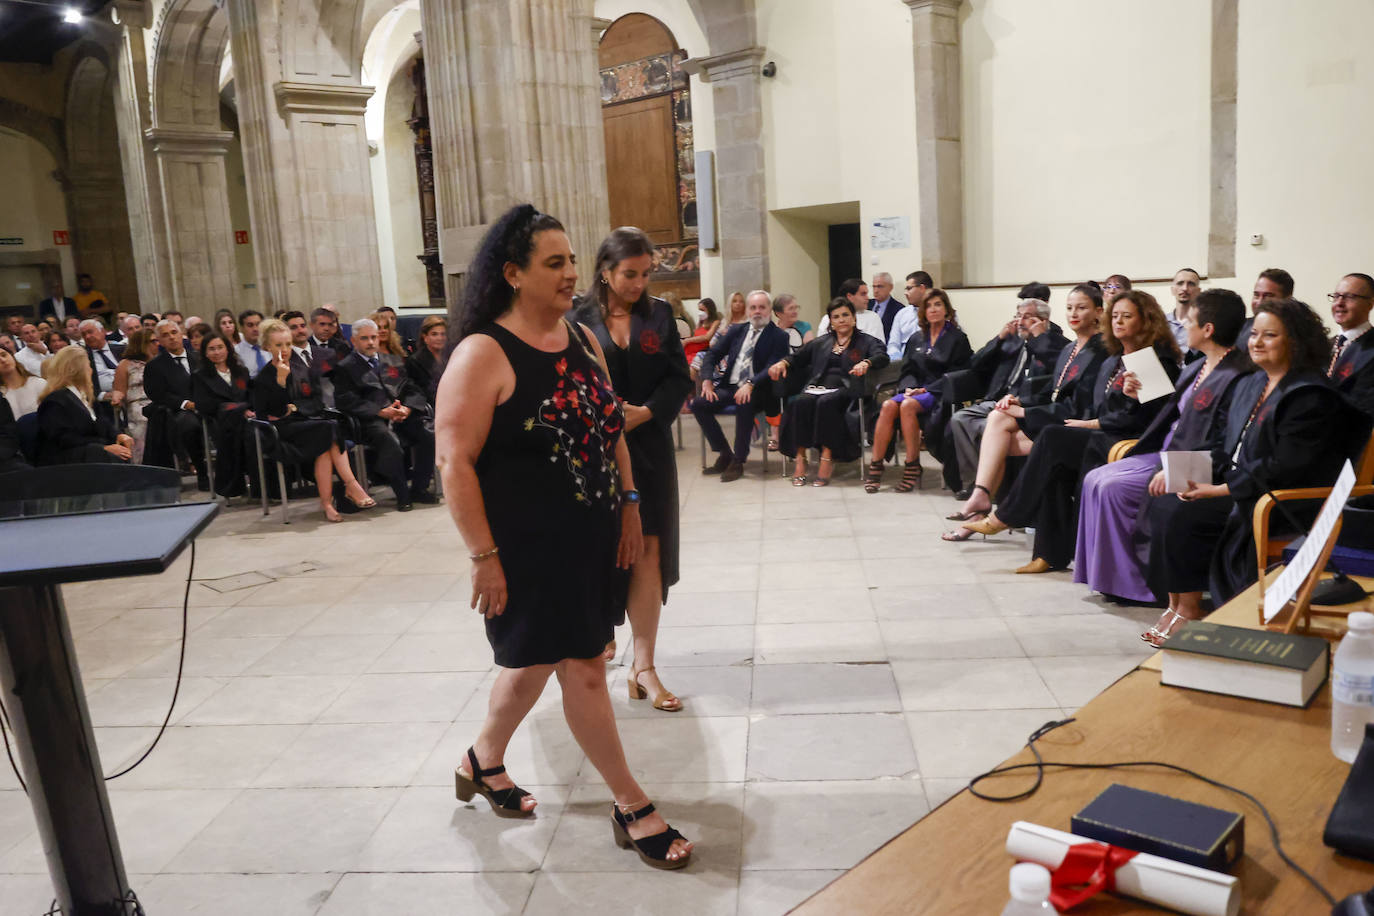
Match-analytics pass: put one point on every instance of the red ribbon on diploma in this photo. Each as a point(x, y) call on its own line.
point(1088, 869)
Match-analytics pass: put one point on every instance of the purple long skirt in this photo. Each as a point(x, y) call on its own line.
point(1112, 496)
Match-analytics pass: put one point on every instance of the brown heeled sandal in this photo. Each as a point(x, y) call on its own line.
point(662, 701)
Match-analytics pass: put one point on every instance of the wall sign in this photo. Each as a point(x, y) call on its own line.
point(11, 241)
point(891, 232)
point(240, 236)
point(61, 237)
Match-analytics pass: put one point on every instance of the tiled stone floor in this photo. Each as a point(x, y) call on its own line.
point(843, 670)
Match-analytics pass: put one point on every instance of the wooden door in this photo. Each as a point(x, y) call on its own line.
point(641, 167)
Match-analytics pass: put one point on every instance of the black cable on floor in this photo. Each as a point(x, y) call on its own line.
point(5, 729)
point(1041, 763)
point(181, 663)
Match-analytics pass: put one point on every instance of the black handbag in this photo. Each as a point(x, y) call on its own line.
point(1350, 828)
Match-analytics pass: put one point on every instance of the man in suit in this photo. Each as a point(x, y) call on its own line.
point(391, 411)
point(1352, 352)
point(743, 355)
point(167, 382)
point(104, 357)
point(324, 332)
point(882, 304)
point(320, 361)
point(908, 320)
point(1272, 283)
point(58, 304)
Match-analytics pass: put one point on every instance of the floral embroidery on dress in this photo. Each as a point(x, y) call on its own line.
point(585, 418)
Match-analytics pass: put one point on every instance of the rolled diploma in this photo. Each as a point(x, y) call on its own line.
point(1186, 888)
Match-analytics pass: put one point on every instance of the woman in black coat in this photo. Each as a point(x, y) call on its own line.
point(649, 373)
point(1286, 427)
point(939, 347)
point(69, 431)
point(819, 416)
point(219, 388)
point(426, 364)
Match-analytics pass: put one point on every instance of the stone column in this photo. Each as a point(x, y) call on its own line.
point(195, 199)
point(742, 204)
point(939, 145)
point(142, 199)
point(102, 233)
point(1221, 235)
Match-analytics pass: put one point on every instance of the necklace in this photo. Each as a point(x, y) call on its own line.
point(841, 345)
point(1206, 370)
point(1059, 383)
point(1254, 412)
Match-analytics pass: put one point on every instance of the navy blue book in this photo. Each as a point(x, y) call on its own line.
point(1163, 826)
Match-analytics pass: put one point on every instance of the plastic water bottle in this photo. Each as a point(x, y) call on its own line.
point(1030, 891)
point(1352, 686)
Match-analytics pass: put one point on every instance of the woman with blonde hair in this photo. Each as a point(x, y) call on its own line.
point(388, 339)
point(69, 432)
point(18, 386)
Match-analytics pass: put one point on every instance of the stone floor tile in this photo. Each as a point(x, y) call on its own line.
point(705, 691)
point(705, 609)
point(211, 756)
point(235, 895)
point(302, 654)
point(845, 746)
point(392, 894)
point(968, 742)
point(419, 652)
point(932, 601)
point(949, 637)
point(1076, 679)
point(695, 892)
point(375, 619)
point(1116, 633)
point(814, 605)
point(664, 750)
point(541, 752)
point(770, 892)
point(334, 755)
point(145, 701)
point(824, 688)
point(794, 643)
point(825, 825)
point(692, 647)
point(270, 700)
point(423, 697)
point(993, 683)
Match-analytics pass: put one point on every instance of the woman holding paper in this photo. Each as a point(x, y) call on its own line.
point(1043, 495)
point(1109, 558)
point(1285, 428)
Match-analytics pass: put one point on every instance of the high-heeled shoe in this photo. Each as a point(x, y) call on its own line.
point(665, 700)
point(1035, 566)
point(504, 802)
point(367, 503)
point(911, 476)
point(975, 513)
point(1169, 622)
point(986, 526)
point(823, 481)
point(652, 850)
point(873, 477)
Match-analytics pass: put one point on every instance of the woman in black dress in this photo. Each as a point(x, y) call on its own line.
point(643, 350)
point(819, 416)
point(286, 393)
point(219, 388)
point(426, 364)
point(540, 484)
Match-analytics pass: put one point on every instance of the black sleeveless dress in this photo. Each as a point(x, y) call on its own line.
point(550, 485)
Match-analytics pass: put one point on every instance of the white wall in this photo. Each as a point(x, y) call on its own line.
point(1086, 137)
point(1303, 142)
point(839, 126)
point(34, 204)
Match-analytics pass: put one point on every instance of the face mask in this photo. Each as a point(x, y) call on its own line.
point(701, 317)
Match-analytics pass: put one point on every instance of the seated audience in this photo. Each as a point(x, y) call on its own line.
point(324, 332)
point(167, 381)
point(908, 320)
point(219, 387)
point(391, 411)
point(938, 347)
point(819, 416)
point(56, 340)
point(228, 327)
point(389, 341)
point(1286, 427)
point(1014, 424)
point(741, 359)
point(71, 326)
point(786, 312)
point(1185, 286)
point(140, 347)
point(20, 388)
point(69, 432)
point(1351, 368)
point(1272, 283)
point(8, 345)
point(708, 317)
point(34, 352)
point(11, 454)
point(149, 320)
point(856, 293)
point(680, 319)
point(1043, 496)
point(426, 365)
point(1012, 362)
point(1107, 559)
point(249, 349)
point(286, 393)
point(882, 304)
point(104, 358)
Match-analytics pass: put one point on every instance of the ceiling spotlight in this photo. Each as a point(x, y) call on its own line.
point(71, 15)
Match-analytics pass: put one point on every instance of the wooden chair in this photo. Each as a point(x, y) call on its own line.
point(1269, 547)
point(1119, 450)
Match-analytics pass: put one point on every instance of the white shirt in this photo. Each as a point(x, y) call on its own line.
point(251, 355)
point(1353, 334)
point(226, 375)
point(302, 352)
point(865, 321)
point(31, 360)
point(104, 374)
point(24, 399)
point(82, 398)
point(58, 306)
point(907, 322)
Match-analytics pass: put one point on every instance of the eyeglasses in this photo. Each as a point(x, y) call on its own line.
point(1112, 286)
point(1349, 297)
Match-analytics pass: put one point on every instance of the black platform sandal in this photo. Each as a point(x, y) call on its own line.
point(652, 849)
point(976, 513)
point(505, 802)
point(873, 478)
point(911, 475)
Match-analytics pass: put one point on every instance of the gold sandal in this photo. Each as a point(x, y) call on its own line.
point(638, 692)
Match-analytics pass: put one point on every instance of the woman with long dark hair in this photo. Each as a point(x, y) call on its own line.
point(225, 323)
point(426, 365)
point(541, 487)
point(1286, 427)
point(219, 388)
point(643, 351)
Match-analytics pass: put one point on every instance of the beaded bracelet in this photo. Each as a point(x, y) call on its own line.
point(485, 554)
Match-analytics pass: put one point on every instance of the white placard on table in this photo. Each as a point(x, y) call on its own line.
point(1296, 572)
point(1154, 381)
point(1181, 467)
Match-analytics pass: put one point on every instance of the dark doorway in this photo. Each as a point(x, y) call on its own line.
point(846, 260)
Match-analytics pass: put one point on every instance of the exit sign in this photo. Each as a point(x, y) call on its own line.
point(11, 241)
point(61, 237)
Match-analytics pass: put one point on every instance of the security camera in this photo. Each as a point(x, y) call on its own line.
point(770, 69)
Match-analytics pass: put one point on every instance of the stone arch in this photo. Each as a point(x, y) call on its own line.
point(322, 40)
point(43, 128)
point(192, 36)
point(90, 128)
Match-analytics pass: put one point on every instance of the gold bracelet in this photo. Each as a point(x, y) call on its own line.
point(485, 554)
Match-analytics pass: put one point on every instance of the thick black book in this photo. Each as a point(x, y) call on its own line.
point(1163, 826)
point(1278, 667)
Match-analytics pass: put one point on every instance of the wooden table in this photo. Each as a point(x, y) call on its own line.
point(955, 861)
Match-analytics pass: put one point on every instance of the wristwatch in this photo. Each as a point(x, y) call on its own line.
point(632, 497)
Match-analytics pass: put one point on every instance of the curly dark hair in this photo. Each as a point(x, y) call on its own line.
point(1308, 346)
point(622, 244)
point(510, 240)
point(1158, 334)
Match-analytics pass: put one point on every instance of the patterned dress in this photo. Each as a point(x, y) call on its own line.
point(550, 486)
point(134, 402)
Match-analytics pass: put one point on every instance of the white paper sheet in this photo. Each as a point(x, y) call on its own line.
point(1186, 888)
point(1181, 467)
point(1154, 381)
point(1290, 580)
